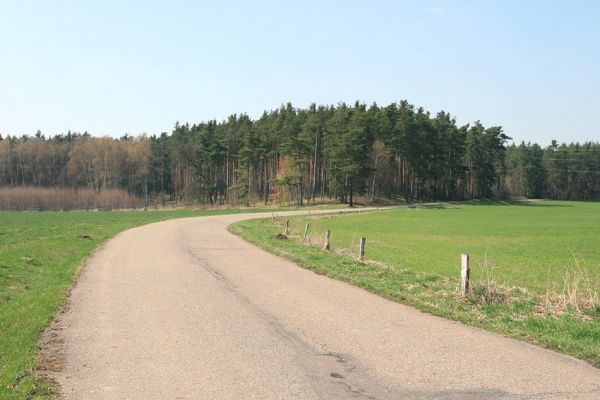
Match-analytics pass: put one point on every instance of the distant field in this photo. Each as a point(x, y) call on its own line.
point(531, 245)
point(535, 265)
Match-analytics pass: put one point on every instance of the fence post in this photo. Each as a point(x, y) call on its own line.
point(465, 271)
point(287, 226)
point(305, 232)
point(361, 249)
point(327, 235)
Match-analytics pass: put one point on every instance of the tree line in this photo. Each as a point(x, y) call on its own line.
point(299, 155)
point(75, 160)
point(560, 172)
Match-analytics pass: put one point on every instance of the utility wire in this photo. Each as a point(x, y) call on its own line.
point(573, 170)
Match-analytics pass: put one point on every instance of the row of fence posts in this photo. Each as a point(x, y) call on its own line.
point(326, 246)
point(465, 268)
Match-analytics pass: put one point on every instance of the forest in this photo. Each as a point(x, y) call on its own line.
point(301, 155)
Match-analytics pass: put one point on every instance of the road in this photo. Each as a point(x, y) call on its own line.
point(183, 309)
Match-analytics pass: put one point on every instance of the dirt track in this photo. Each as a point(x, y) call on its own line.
point(185, 310)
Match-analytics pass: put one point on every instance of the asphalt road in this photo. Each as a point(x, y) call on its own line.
point(185, 310)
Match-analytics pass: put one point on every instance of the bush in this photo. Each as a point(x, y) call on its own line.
point(62, 199)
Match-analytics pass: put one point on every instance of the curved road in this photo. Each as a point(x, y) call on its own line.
point(183, 309)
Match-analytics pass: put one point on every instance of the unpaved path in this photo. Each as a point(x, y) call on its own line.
point(185, 310)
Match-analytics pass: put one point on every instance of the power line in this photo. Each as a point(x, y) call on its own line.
point(574, 170)
point(571, 159)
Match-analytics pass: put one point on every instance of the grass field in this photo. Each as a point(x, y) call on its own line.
point(40, 253)
point(535, 265)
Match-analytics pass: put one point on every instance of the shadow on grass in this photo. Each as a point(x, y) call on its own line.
point(524, 203)
point(430, 206)
point(457, 204)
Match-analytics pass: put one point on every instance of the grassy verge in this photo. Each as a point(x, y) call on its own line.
point(536, 267)
point(40, 253)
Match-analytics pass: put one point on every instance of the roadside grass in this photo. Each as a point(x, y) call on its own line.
point(535, 265)
point(40, 254)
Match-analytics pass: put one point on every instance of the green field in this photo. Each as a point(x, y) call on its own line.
point(40, 253)
point(535, 265)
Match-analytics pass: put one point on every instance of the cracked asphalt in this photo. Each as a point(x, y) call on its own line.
point(183, 309)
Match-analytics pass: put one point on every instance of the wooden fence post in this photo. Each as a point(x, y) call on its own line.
point(305, 232)
point(287, 227)
point(465, 272)
point(327, 235)
point(361, 249)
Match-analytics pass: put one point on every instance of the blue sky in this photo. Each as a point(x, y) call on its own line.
point(116, 67)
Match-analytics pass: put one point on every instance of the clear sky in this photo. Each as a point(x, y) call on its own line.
point(116, 67)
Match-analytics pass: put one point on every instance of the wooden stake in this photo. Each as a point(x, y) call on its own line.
point(305, 232)
point(361, 249)
point(465, 272)
point(287, 226)
point(327, 235)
